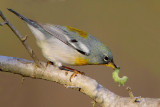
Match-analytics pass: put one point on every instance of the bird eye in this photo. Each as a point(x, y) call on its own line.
point(106, 58)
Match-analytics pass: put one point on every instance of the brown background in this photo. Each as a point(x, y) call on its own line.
point(131, 28)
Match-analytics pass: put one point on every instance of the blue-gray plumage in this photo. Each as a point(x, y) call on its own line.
point(68, 45)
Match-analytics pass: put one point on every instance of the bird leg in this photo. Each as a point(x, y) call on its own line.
point(75, 72)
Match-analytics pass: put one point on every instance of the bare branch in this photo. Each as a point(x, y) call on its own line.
point(82, 83)
point(21, 38)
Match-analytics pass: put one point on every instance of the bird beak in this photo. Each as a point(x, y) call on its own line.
point(112, 65)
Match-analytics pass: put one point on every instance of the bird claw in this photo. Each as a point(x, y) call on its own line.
point(75, 74)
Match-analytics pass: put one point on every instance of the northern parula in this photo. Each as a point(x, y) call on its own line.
point(68, 45)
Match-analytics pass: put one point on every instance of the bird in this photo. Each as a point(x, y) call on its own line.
point(68, 45)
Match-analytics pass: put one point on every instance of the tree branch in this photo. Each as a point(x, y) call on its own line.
point(21, 38)
point(82, 83)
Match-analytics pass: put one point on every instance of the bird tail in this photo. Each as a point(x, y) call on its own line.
point(28, 21)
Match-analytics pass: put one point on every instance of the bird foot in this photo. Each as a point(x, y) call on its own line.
point(75, 72)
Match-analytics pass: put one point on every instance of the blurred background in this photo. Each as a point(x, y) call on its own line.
point(130, 28)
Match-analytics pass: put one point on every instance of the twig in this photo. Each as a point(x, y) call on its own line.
point(21, 38)
point(132, 97)
point(88, 86)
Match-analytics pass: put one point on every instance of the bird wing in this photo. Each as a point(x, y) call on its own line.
point(67, 36)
